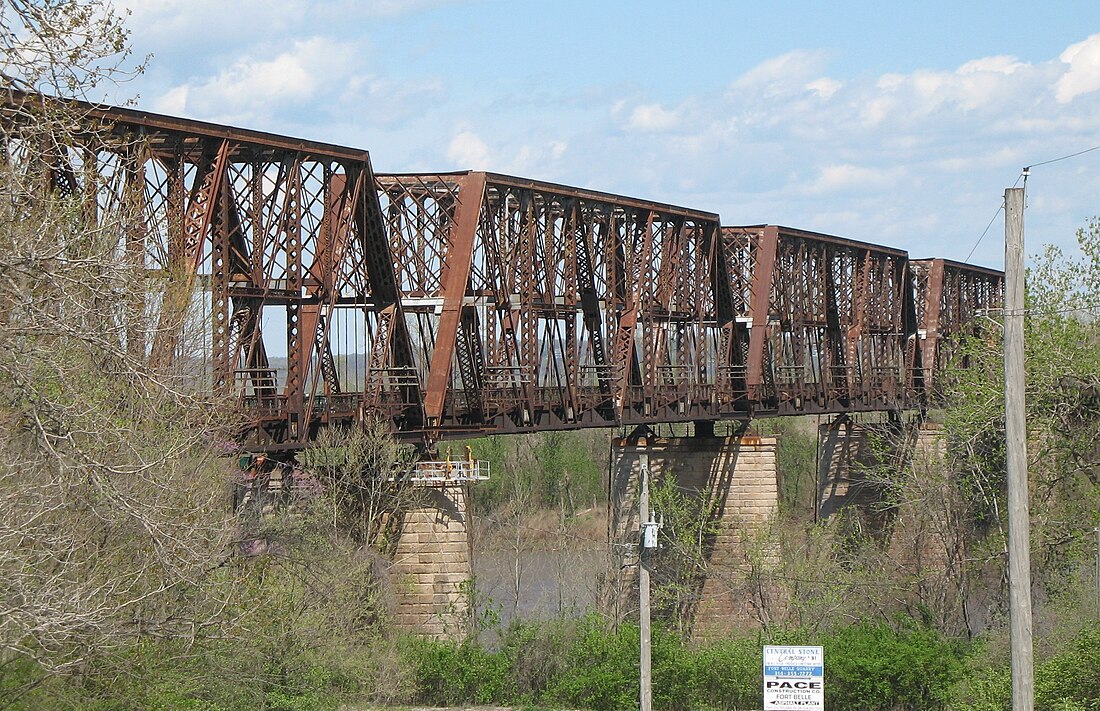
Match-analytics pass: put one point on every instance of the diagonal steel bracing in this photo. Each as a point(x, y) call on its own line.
point(286, 275)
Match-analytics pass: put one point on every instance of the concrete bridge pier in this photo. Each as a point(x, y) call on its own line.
point(432, 564)
point(735, 478)
point(889, 483)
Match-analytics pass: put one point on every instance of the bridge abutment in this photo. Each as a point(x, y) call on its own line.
point(432, 564)
point(717, 587)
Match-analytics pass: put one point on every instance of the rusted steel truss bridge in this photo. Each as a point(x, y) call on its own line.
point(461, 304)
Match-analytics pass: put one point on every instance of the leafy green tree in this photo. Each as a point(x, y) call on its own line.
point(1063, 414)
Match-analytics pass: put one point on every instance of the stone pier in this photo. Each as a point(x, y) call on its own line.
point(432, 565)
point(890, 483)
point(859, 462)
point(848, 473)
point(925, 545)
point(737, 477)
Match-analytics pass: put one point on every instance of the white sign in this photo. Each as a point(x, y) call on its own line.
point(794, 678)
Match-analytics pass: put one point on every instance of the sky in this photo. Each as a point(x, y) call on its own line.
point(895, 123)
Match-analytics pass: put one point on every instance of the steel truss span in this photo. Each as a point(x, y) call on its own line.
point(290, 277)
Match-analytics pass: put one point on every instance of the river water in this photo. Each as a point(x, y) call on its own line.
point(552, 583)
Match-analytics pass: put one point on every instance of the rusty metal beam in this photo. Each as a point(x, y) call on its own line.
point(456, 275)
point(762, 278)
point(455, 304)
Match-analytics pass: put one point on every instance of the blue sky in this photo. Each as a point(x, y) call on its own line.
point(899, 123)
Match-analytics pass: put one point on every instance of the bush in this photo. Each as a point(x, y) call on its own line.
point(729, 674)
point(871, 666)
point(1070, 680)
point(600, 669)
point(451, 674)
point(583, 664)
point(984, 688)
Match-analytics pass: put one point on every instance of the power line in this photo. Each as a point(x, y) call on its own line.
point(984, 232)
point(991, 221)
point(1071, 155)
point(1023, 175)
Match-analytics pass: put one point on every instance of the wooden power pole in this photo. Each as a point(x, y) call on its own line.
point(1019, 538)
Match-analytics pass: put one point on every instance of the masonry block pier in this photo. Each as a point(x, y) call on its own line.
point(859, 461)
point(849, 470)
point(889, 482)
point(737, 477)
point(432, 563)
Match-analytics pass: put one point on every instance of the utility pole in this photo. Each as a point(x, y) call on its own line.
point(1019, 558)
point(646, 669)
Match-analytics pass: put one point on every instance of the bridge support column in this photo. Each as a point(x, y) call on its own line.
point(926, 545)
point(432, 563)
point(850, 456)
point(736, 479)
point(891, 484)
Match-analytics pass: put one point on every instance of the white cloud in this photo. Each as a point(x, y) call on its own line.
point(1002, 64)
point(988, 85)
point(252, 87)
point(877, 109)
point(652, 118)
point(293, 74)
point(1083, 76)
point(172, 102)
point(824, 87)
point(791, 70)
point(845, 176)
point(537, 159)
point(467, 151)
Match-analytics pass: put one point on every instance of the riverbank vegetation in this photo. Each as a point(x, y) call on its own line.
point(127, 580)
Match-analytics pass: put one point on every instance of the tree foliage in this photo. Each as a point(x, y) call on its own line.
point(64, 48)
point(1063, 412)
point(362, 474)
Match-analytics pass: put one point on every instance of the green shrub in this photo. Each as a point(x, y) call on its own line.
point(871, 666)
point(537, 654)
point(451, 673)
point(729, 674)
point(600, 669)
point(1071, 678)
point(983, 689)
point(675, 675)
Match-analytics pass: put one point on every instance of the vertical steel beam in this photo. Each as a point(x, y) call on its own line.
point(456, 275)
point(136, 236)
point(290, 223)
point(392, 344)
point(760, 308)
point(933, 303)
point(861, 286)
point(219, 284)
point(588, 238)
point(185, 252)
